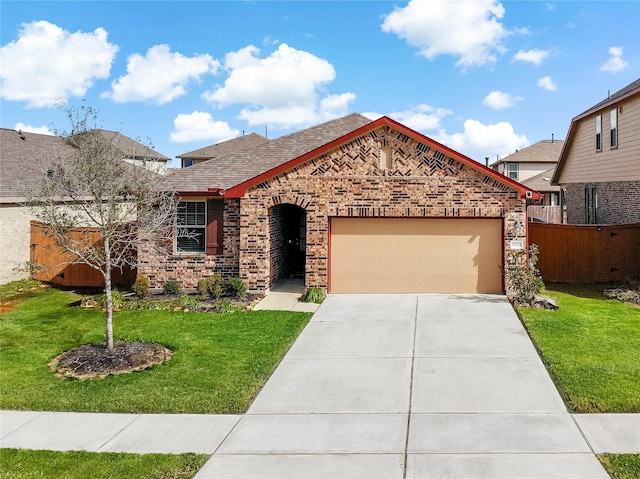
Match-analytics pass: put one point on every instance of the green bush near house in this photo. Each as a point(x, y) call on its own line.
point(172, 287)
point(313, 295)
point(142, 286)
point(211, 286)
point(235, 287)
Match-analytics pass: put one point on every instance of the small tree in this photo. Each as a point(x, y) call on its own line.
point(91, 187)
point(523, 279)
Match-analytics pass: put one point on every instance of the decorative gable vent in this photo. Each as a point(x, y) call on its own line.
point(386, 158)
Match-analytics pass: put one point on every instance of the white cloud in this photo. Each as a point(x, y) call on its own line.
point(421, 117)
point(198, 126)
point(47, 64)
point(534, 56)
point(42, 130)
point(499, 100)
point(615, 63)
point(482, 140)
point(283, 89)
point(546, 83)
point(468, 29)
point(160, 76)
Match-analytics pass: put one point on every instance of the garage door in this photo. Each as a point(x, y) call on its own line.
point(402, 255)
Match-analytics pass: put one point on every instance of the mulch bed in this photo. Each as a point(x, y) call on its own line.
point(95, 361)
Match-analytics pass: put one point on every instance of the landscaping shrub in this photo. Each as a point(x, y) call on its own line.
point(223, 306)
point(171, 287)
point(142, 286)
point(523, 279)
point(117, 297)
point(211, 287)
point(235, 287)
point(312, 295)
point(188, 302)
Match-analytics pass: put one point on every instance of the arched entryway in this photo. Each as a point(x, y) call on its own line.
point(288, 232)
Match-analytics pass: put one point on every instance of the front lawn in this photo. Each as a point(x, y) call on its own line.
point(621, 466)
point(219, 363)
point(591, 346)
point(26, 464)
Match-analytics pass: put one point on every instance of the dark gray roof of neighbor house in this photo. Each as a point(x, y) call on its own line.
point(238, 167)
point(131, 148)
point(19, 152)
point(541, 182)
point(612, 98)
point(24, 159)
point(544, 151)
point(225, 148)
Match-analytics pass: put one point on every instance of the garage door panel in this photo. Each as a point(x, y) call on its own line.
point(394, 255)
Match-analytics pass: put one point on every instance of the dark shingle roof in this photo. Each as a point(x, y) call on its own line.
point(20, 150)
point(542, 181)
point(22, 153)
point(545, 151)
point(238, 167)
point(225, 148)
point(131, 148)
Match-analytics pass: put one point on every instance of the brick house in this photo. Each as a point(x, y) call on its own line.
point(351, 205)
point(599, 166)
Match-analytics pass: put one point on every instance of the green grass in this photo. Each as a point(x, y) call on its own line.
point(219, 363)
point(621, 466)
point(591, 346)
point(26, 464)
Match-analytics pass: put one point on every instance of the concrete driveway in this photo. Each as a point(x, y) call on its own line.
point(408, 386)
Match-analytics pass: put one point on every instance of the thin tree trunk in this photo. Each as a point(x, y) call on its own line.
point(109, 296)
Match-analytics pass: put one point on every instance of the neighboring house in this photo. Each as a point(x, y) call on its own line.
point(530, 161)
point(542, 184)
point(221, 149)
point(351, 206)
point(599, 167)
point(137, 153)
point(19, 152)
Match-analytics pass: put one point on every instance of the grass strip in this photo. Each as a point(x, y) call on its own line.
point(27, 464)
point(621, 466)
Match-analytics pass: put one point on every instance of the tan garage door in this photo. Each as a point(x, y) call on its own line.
point(398, 255)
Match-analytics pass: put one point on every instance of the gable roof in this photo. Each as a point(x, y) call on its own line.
point(18, 148)
point(542, 181)
point(242, 166)
point(234, 174)
point(544, 151)
point(630, 90)
point(131, 148)
point(21, 149)
point(224, 148)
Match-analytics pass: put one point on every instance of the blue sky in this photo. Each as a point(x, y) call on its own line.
point(483, 77)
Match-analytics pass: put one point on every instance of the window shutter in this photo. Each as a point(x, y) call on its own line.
point(215, 215)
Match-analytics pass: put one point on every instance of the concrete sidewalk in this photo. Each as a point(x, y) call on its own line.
point(384, 386)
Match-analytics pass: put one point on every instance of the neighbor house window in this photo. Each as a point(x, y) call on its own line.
point(590, 205)
point(186, 162)
point(512, 171)
point(614, 128)
point(599, 133)
point(191, 226)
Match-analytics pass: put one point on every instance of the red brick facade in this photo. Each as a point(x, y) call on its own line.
point(618, 202)
point(347, 181)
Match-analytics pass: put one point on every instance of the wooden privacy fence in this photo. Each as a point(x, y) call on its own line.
point(587, 253)
point(51, 264)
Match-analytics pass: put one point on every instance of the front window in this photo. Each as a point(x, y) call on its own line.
point(599, 133)
point(614, 128)
point(512, 171)
point(590, 205)
point(192, 225)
